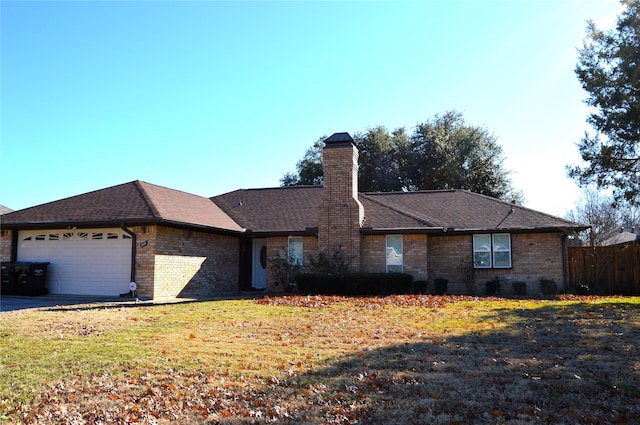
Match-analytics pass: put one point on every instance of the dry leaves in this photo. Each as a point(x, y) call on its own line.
point(499, 362)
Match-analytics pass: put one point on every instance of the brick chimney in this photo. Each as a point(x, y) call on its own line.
point(341, 213)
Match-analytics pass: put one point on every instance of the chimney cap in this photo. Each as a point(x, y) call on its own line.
point(339, 139)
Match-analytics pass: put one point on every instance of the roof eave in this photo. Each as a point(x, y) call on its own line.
point(118, 223)
point(309, 231)
point(33, 225)
point(467, 231)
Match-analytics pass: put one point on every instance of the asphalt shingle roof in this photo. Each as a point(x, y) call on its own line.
point(283, 210)
point(295, 209)
point(459, 210)
point(130, 203)
point(274, 210)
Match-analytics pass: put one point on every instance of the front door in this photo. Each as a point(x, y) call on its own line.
point(259, 268)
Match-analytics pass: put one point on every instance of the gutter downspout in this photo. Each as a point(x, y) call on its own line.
point(133, 250)
point(13, 255)
point(565, 255)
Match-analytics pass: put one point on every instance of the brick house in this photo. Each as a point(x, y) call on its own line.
point(175, 244)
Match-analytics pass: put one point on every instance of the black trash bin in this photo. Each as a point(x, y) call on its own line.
point(32, 278)
point(9, 279)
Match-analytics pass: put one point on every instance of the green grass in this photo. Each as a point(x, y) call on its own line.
point(325, 360)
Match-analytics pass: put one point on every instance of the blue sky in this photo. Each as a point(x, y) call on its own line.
point(209, 97)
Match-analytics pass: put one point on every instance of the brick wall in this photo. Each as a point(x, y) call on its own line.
point(277, 249)
point(414, 254)
point(194, 264)
point(533, 256)
point(341, 213)
point(145, 259)
point(5, 245)
point(373, 251)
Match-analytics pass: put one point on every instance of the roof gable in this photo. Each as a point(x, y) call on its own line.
point(130, 203)
point(181, 207)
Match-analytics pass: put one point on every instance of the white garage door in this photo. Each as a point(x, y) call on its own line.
point(82, 262)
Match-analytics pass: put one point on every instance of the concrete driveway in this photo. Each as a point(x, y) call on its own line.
point(13, 303)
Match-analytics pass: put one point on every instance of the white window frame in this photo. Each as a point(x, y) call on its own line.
point(293, 258)
point(394, 261)
point(477, 249)
point(493, 250)
point(496, 250)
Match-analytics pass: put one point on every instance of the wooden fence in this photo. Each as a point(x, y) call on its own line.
point(609, 269)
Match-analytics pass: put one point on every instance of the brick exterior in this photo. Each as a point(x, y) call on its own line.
point(415, 256)
point(414, 247)
point(177, 263)
point(174, 262)
point(277, 249)
point(373, 254)
point(533, 255)
point(341, 213)
point(145, 259)
point(191, 264)
point(5, 245)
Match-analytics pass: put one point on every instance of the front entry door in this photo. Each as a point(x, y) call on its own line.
point(259, 268)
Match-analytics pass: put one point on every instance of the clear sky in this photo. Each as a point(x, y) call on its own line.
point(208, 97)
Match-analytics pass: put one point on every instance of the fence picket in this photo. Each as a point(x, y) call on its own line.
point(611, 269)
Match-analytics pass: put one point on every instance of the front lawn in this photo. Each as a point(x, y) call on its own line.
point(399, 359)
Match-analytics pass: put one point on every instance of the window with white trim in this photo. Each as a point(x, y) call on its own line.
point(394, 258)
point(492, 251)
point(295, 251)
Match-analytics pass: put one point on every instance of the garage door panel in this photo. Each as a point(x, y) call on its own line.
point(83, 262)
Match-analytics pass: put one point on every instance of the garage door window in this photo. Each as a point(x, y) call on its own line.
point(75, 236)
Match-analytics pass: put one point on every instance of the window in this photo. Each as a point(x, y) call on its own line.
point(482, 251)
point(394, 253)
point(502, 251)
point(295, 251)
point(492, 251)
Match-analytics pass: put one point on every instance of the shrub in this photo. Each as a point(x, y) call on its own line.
point(420, 287)
point(335, 265)
point(440, 285)
point(548, 287)
point(469, 275)
point(519, 288)
point(355, 283)
point(493, 286)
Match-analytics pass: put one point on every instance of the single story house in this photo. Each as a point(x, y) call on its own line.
point(624, 236)
point(176, 244)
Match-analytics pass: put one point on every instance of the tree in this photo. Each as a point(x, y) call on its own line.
point(309, 167)
point(380, 159)
point(598, 211)
point(450, 154)
point(609, 70)
point(444, 153)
